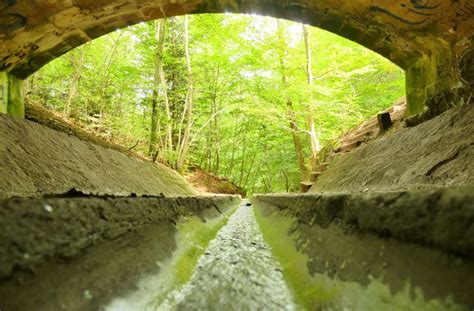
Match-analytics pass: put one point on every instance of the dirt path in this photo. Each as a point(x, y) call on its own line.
point(237, 272)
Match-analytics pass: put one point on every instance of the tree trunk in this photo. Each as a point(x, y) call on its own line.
point(235, 140)
point(315, 145)
point(184, 148)
point(291, 113)
point(297, 140)
point(76, 62)
point(159, 91)
point(244, 157)
point(154, 126)
point(215, 124)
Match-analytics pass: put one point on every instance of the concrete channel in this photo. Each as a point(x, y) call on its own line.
point(237, 272)
point(88, 228)
point(277, 252)
point(82, 253)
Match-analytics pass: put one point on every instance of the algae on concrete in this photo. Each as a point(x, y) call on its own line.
point(309, 293)
point(321, 292)
point(12, 100)
point(193, 237)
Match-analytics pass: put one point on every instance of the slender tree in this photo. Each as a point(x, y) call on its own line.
point(188, 107)
point(77, 62)
point(160, 93)
point(289, 103)
point(315, 146)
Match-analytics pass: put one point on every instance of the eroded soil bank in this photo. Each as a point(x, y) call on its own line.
point(79, 253)
point(390, 250)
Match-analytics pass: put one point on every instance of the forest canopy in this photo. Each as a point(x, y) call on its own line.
point(249, 98)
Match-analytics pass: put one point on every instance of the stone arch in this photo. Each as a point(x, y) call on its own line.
point(427, 38)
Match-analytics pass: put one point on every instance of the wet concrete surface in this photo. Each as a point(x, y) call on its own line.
point(440, 217)
point(237, 272)
point(34, 230)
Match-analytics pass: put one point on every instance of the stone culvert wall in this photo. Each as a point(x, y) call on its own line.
point(436, 153)
point(416, 242)
point(35, 230)
point(431, 40)
point(78, 253)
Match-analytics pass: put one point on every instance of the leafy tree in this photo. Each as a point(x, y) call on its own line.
point(215, 91)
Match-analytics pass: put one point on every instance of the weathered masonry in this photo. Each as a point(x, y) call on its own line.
point(432, 40)
point(11, 95)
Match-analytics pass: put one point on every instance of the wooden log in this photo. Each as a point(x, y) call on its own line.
point(323, 166)
point(314, 176)
point(367, 130)
point(348, 147)
point(359, 137)
point(305, 186)
point(384, 120)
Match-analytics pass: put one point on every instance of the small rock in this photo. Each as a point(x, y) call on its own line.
point(48, 208)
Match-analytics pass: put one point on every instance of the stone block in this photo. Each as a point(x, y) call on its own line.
point(11, 95)
point(3, 92)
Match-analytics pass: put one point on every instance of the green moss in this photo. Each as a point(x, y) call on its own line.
point(319, 292)
point(16, 102)
point(311, 293)
point(196, 236)
point(11, 95)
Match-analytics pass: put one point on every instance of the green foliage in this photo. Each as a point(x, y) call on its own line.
point(240, 126)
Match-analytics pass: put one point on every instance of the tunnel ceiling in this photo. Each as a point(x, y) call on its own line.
point(32, 33)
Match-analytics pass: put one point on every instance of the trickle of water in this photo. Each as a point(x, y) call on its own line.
point(237, 272)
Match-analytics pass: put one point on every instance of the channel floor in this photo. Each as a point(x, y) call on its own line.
point(237, 272)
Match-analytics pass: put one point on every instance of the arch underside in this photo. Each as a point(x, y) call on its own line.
point(409, 33)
